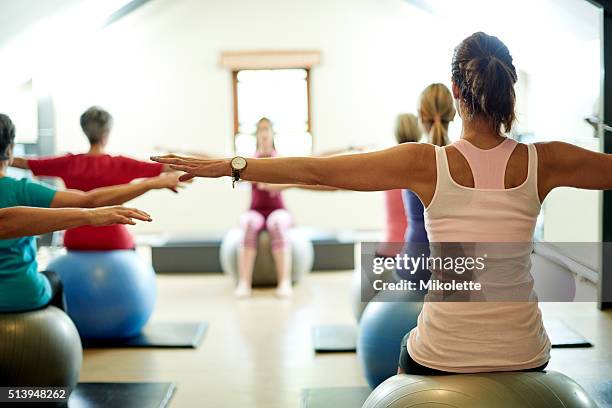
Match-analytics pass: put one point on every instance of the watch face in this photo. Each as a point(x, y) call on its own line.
point(239, 163)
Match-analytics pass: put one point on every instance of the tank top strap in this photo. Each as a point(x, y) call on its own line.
point(444, 180)
point(488, 166)
point(532, 167)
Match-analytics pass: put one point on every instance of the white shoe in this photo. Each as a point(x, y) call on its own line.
point(284, 290)
point(242, 291)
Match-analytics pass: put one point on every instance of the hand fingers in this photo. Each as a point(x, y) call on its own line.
point(125, 220)
point(169, 159)
point(136, 210)
point(137, 215)
point(183, 167)
point(187, 177)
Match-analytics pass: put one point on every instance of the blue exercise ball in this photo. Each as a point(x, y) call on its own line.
point(382, 327)
point(109, 294)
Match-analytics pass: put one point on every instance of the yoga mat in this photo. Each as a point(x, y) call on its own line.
point(158, 335)
point(341, 397)
point(342, 338)
point(562, 336)
point(122, 395)
point(334, 338)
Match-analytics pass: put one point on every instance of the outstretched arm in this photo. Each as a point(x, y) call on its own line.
point(114, 195)
point(565, 165)
point(404, 166)
point(28, 221)
point(282, 187)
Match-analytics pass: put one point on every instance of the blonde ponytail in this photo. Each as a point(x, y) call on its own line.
point(436, 111)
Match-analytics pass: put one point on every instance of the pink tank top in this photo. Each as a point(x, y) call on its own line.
point(468, 337)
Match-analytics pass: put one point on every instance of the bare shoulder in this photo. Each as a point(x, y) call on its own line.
point(418, 154)
point(554, 154)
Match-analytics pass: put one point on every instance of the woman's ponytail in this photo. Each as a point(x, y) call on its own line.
point(483, 71)
point(436, 111)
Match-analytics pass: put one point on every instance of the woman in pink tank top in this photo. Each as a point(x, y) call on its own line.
point(485, 188)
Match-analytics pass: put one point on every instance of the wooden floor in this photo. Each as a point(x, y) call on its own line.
point(258, 352)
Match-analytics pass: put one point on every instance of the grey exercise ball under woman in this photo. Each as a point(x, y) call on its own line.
point(264, 272)
point(40, 348)
point(499, 390)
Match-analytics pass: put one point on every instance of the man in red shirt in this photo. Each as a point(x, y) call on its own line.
point(92, 170)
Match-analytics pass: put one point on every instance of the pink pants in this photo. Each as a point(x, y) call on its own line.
point(277, 224)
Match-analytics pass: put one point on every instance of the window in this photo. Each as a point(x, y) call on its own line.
point(283, 96)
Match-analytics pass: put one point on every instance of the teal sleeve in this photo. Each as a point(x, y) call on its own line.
point(37, 195)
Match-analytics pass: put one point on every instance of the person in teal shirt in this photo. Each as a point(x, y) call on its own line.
point(22, 287)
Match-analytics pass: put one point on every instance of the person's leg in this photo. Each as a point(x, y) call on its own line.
point(277, 224)
point(251, 223)
point(57, 290)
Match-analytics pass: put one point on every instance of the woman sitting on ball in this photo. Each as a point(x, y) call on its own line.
point(488, 190)
point(21, 286)
point(92, 170)
point(267, 211)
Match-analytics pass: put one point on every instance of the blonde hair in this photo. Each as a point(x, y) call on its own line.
point(436, 111)
point(407, 128)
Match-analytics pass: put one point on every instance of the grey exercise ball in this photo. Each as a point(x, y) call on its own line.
point(264, 272)
point(39, 348)
point(499, 390)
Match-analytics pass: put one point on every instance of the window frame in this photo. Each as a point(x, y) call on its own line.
point(236, 125)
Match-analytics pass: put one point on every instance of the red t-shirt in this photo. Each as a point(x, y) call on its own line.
point(84, 172)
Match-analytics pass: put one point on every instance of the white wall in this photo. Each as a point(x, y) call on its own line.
point(157, 71)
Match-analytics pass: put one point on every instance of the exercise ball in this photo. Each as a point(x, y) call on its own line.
point(362, 289)
point(552, 282)
point(40, 348)
point(264, 271)
point(357, 305)
point(382, 327)
point(109, 294)
point(500, 390)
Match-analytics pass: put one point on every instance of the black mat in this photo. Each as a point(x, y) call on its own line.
point(341, 397)
point(158, 335)
point(122, 395)
point(562, 336)
point(334, 338)
point(342, 338)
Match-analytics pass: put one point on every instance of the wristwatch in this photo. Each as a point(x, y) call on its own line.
point(238, 164)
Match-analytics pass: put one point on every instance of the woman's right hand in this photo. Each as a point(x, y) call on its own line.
point(104, 216)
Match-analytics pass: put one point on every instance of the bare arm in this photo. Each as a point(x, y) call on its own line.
point(404, 166)
point(281, 187)
point(28, 221)
point(565, 165)
point(20, 163)
point(113, 195)
point(348, 149)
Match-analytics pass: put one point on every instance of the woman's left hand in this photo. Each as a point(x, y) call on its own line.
point(196, 167)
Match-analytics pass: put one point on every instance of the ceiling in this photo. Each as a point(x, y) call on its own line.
point(16, 16)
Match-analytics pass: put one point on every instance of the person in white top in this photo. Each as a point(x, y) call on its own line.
point(485, 188)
